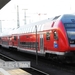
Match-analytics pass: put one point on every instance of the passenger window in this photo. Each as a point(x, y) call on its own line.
point(47, 36)
point(0, 38)
point(15, 38)
point(55, 35)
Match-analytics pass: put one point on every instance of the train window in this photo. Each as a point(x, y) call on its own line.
point(27, 36)
point(47, 36)
point(0, 38)
point(29, 44)
point(15, 38)
point(55, 35)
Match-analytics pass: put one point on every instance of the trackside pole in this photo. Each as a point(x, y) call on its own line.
point(36, 46)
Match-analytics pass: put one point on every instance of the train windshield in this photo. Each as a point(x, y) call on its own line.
point(70, 29)
point(70, 25)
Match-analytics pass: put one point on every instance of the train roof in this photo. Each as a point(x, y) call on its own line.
point(4, 34)
point(41, 25)
point(67, 18)
point(44, 24)
point(31, 27)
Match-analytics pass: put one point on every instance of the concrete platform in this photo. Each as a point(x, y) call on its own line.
point(13, 72)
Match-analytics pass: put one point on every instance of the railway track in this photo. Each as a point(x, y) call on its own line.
point(44, 66)
point(31, 70)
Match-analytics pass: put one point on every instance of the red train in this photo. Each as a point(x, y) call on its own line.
point(55, 37)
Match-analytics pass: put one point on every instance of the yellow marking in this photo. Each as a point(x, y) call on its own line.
point(18, 72)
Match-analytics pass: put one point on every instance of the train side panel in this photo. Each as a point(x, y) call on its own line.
point(28, 42)
point(63, 39)
point(5, 41)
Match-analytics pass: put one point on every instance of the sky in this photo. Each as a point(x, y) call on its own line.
point(46, 9)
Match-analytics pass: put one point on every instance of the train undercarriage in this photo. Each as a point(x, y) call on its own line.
point(68, 57)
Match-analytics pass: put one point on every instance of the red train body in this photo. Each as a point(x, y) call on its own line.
point(55, 36)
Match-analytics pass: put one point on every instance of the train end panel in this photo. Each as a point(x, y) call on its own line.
point(67, 35)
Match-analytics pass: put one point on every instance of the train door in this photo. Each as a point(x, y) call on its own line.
point(18, 41)
point(48, 38)
point(41, 43)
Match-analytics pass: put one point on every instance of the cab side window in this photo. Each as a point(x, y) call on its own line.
point(15, 38)
point(55, 35)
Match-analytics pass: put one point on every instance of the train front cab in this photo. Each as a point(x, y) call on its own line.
point(67, 42)
point(60, 42)
point(51, 42)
